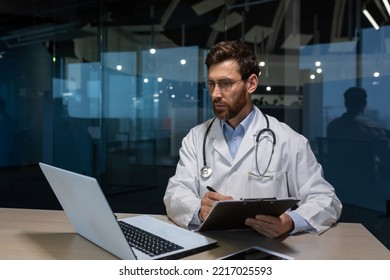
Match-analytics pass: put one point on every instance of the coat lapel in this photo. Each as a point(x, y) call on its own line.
point(218, 142)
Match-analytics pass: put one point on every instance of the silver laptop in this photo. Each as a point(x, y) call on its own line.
point(90, 214)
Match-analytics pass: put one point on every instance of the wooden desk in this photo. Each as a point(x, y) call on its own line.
point(47, 234)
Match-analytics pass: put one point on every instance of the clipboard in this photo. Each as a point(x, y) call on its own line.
point(231, 214)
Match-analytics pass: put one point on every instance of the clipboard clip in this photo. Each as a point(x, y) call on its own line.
point(259, 199)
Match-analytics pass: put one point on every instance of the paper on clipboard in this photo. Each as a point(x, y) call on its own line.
point(231, 214)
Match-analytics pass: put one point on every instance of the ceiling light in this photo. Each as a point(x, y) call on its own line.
point(387, 5)
point(371, 19)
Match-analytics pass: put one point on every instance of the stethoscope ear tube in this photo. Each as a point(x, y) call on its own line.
point(264, 130)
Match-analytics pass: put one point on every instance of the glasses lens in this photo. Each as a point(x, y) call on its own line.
point(225, 84)
point(208, 85)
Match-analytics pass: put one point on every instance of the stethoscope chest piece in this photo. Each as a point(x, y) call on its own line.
point(205, 172)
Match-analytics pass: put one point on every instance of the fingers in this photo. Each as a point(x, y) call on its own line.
point(270, 226)
point(208, 201)
point(217, 196)
point(262, 226)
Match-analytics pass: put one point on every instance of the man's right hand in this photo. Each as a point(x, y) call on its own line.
point(208, 201)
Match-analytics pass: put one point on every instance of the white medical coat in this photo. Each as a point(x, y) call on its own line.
point(294, 172)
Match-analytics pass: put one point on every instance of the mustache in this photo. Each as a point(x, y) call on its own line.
point(217, 101)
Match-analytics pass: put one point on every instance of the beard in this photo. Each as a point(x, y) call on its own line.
point(231, 110)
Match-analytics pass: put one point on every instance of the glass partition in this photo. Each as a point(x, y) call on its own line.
point(110, 88)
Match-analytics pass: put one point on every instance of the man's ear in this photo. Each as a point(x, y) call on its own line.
point(252, 83)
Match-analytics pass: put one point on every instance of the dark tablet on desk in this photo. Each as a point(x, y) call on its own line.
point(256, 253)
point(231, 214)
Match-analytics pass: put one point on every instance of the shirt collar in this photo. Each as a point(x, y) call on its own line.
point(245, 123)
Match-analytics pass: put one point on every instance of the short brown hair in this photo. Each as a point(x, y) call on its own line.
point(237, 51)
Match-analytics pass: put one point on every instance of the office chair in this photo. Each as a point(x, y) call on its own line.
point(350, 165)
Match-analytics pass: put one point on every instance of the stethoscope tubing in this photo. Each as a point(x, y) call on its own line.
point(206, 171)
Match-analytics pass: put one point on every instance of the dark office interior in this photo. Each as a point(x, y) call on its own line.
point(109, 88)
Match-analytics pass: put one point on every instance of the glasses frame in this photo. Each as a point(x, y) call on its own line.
point(222, 87)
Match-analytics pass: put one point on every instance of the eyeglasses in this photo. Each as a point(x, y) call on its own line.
point(223, 84)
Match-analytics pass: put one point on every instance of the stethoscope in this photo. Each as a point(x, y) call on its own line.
point(206, 171)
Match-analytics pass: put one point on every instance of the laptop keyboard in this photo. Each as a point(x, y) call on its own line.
point(147, 242)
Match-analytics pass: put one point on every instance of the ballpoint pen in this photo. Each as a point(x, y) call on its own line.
point(211, 189)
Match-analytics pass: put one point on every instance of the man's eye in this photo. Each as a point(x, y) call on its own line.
point(210, 83)
point(224, 83)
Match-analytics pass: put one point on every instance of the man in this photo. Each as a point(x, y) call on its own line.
point(237, 169)
point(353, 125)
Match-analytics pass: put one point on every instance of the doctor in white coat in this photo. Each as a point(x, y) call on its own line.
point(243, 153)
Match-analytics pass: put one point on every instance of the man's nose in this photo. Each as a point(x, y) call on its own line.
point(216, 91)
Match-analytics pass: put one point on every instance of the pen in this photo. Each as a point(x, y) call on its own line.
point(211, 189)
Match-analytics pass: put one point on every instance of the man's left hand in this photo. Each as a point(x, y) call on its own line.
point(270, 226)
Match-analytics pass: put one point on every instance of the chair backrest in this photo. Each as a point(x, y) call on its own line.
point(349, 164)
